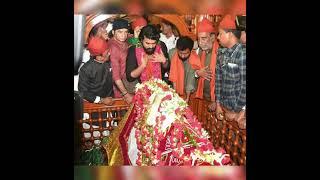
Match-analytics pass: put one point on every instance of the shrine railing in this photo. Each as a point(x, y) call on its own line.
point(99, 121)
point(223, 133)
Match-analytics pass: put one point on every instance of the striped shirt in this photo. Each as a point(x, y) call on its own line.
point(230, 85)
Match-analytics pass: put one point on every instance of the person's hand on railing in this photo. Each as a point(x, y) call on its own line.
point(187, 100)
point(241, 119)
point(219, 111)
point(212, 107)
point(230, 115)
point(107, 101)
point(128, 98)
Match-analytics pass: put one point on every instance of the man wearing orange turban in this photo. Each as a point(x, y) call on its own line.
point(230, 85)
point(207, 52)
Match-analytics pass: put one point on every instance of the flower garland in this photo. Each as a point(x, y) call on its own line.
point(166, 127)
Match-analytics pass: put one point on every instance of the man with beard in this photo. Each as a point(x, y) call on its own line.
point(148, 58)
point(207, 51)
point(184, 61)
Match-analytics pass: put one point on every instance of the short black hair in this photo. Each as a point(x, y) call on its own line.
point(184, 42)
point(236, 32)
point(120, 23)
point(167, 23)
point(150, 32)
point(94, 31)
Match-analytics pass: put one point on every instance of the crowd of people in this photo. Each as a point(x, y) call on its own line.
point(215, 71)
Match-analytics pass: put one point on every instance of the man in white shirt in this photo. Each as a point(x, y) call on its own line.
point(167, 35)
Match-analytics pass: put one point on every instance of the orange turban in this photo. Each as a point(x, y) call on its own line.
point(139, 22)
point(228, 22)
point(97, 46)
point(205, 26)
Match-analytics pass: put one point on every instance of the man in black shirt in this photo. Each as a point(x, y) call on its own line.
point(95, 77)
point(149, 58)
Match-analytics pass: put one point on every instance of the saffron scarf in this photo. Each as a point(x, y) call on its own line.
point(199, 92)
point(177, 70)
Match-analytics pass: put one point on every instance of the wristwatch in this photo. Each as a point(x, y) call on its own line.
point(123, 94)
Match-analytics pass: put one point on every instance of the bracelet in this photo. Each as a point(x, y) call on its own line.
point(123, 94)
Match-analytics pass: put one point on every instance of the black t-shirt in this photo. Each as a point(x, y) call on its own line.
point(132, 63)
point(95, 79)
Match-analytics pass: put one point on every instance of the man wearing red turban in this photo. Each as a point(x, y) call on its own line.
point(137, 25)
point(97, 47)
point(230, 85)
point(207, 51)
point(95, 77)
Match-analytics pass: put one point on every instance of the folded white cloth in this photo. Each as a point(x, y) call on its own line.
point(232, 65)
point(97, 142)
point(133, 147)
point(96, 134)
point(86, 116)
point(87, 135)
point(106, 133)
point(87, 126)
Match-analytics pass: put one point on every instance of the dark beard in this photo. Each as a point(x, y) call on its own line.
point(184, 59)
point(149, 51)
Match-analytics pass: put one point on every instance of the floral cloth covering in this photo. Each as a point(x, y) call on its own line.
point(167, 133)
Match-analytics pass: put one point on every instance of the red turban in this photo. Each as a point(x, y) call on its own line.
point(205, 26)
point(228, 22)
point(139, 22)
point(97, 46)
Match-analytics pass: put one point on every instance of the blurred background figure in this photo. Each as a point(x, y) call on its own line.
point(97, 31)
point(136, 25)
point(241, 26)
point(167, 35)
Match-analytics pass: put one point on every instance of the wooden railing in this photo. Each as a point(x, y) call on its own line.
point(223, 133)
point(109, 115)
